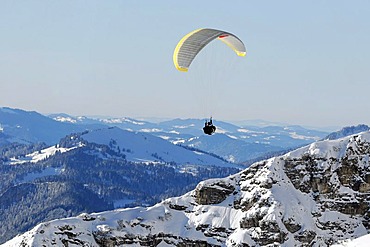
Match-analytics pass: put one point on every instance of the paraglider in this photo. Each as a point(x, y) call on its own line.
point(192, 43)
point(209, 128)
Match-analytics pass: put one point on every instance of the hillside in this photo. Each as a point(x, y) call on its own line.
point(143, 147)
point(314, 196)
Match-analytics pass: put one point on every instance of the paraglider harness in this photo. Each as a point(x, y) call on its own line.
point(209, 128)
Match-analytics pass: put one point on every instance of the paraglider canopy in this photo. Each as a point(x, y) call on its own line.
point(192, 43)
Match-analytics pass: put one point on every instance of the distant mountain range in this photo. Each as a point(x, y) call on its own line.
point(252, 142)
point(316, 195)
point(234, 143)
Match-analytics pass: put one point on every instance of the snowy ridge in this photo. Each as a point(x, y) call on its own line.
point(65, 119)
point(314, 196)
point(122, 120)
point(332, 148)
point(41, 155)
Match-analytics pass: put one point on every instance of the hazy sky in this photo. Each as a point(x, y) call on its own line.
point(307, 61)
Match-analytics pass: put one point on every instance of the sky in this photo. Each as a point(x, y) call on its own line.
point(307, 61)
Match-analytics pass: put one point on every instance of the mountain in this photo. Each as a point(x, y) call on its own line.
point(29, 127)
point(346, 131)
point(142, 147)
point(251, 141)
point(313, 196)
point(231, 149)
point(94, 171)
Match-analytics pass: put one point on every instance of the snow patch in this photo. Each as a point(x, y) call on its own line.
point(154, 130)
point(40, 155)
point(232, 137)
point(183, 126)
point(65, 119)
point(121, 120)
point(295, 135)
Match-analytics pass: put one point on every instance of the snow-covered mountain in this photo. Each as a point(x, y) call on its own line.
point(134, 146)
point(253, 141)
point(142, 147)
point(314, 196)
point(31, 127)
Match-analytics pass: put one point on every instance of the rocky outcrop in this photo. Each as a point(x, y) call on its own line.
point(342, 184)
point(212, 193)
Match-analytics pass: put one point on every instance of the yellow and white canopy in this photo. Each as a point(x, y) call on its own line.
point(192, 43)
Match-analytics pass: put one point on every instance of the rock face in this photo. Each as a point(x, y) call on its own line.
point(214, 194)
point(313, 196)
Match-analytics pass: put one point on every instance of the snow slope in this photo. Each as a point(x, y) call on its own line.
point(313, 196)
point(143, 147)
